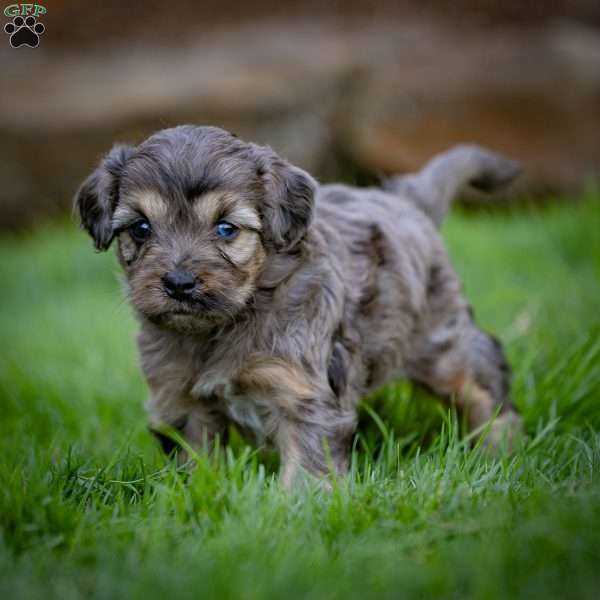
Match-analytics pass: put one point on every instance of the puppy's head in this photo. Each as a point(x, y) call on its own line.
point(196, 214)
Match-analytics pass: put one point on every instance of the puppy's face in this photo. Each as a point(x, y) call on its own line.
point(197, 214)
point(198, 263)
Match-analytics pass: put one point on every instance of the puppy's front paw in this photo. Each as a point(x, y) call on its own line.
point(506, 432)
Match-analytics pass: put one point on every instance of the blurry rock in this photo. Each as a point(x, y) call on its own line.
point(362, 98)
point(59, 113)
point(533, 94)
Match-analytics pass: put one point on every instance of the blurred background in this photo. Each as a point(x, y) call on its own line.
point(348, 90)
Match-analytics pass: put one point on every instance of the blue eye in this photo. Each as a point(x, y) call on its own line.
point(140, 231)
point(226, 230)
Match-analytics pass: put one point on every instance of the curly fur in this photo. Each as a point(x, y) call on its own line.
point(327, 293)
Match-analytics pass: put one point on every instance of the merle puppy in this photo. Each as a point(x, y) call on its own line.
point(275, 303)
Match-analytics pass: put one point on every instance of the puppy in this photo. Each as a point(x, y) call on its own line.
point(274, 303)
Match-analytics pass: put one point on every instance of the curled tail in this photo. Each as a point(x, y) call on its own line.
point(434, 187)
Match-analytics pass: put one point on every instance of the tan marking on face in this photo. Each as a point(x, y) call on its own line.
point(214, 206)
point(243, 215)
point(208, 207)
point(149, 204)
point(127, 246)
point(243, 248)
point(153, 206)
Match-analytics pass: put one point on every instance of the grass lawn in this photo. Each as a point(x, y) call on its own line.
point(90, 508)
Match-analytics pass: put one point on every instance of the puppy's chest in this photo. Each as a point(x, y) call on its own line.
point(249, 409)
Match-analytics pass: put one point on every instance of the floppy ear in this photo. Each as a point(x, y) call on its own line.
point(98, 196)
point(288, 199)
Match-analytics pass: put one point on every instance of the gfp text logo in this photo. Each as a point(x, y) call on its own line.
point(25, 29)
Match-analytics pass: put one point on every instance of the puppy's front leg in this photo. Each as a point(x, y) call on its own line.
point(309, 425)
point(314, 447)
point(198, 421)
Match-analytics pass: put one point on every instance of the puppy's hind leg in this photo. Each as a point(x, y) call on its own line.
point(467, 368)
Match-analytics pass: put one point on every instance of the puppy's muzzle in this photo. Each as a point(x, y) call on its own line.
point(180, 285)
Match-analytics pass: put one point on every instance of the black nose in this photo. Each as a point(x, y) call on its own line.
point(180, 284)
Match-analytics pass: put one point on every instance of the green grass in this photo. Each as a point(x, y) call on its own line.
point(89, 508)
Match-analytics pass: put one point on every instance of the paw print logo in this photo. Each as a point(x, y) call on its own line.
point(24, 32)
